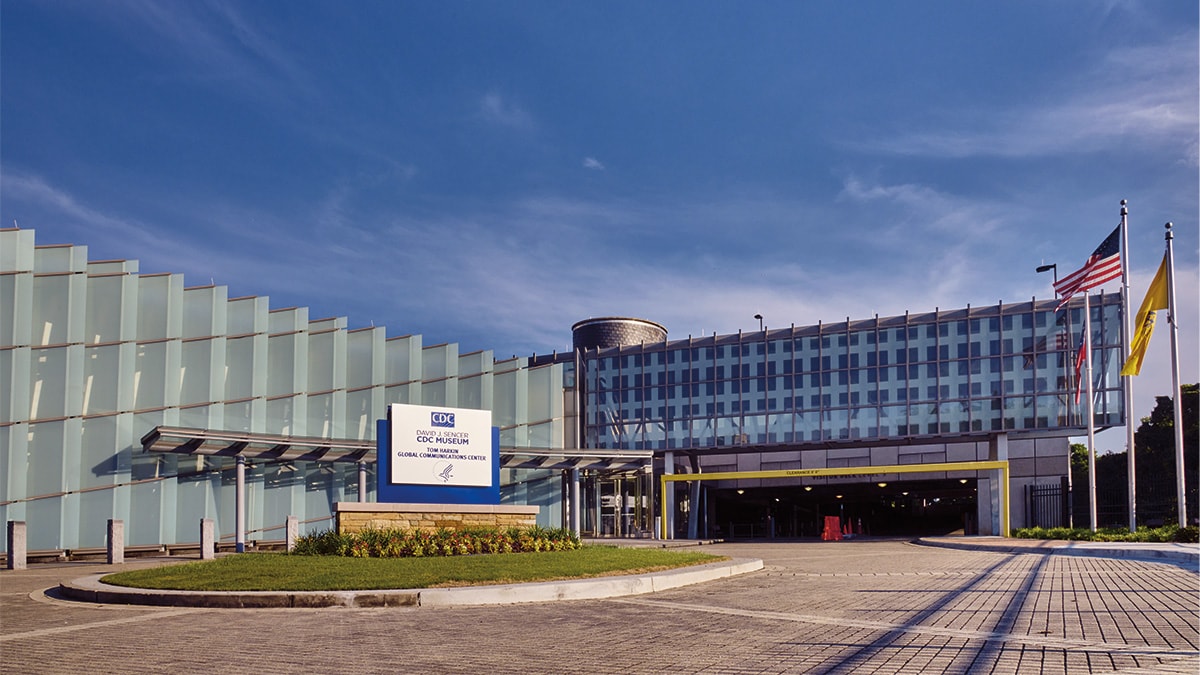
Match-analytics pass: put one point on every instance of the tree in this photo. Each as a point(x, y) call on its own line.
point(1155, 445)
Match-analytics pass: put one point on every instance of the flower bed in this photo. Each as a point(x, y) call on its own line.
point(442, 542)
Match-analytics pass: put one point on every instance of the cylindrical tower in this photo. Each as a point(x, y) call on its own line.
point(615, 331)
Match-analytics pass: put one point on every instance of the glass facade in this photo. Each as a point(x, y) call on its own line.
point(1004, 368)
point(93, 355)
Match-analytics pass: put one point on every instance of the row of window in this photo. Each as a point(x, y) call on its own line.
point(956, 376)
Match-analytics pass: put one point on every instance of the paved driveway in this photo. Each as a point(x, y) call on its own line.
point(835, 607)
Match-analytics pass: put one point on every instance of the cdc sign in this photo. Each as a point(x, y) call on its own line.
point(438, 455)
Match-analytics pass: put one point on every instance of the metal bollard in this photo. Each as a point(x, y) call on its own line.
point(116, 541)
point(16, 545)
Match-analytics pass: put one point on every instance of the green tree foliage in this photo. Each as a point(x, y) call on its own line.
point(1155, 443)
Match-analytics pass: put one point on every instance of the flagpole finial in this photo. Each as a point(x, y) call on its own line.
point(1124, 209)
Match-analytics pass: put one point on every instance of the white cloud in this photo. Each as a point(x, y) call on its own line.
point(221, 43)
point(1134, 95)
point(592, 163)
point(498, 110)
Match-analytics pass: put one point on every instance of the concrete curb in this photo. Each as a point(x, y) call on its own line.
point(91, 589)
point(1181, 554)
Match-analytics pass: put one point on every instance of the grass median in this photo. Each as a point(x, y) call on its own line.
point(283, 572)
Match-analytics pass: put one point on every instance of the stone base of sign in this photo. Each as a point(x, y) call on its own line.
point(359, 516)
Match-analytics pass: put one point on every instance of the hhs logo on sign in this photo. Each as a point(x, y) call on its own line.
point(442, 419)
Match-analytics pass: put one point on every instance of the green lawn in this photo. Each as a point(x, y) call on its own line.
point(283, 572)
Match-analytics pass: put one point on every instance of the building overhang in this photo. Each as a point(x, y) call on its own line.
point(270, 447)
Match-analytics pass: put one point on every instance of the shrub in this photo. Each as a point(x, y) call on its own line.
point(391, 543)
point(1166, 533)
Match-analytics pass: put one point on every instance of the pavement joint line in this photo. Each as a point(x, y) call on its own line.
point(43, 632)
point(914, 628)
point(1186, 666)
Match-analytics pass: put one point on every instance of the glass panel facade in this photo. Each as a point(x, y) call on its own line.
point(999, 368)
point(93, 356)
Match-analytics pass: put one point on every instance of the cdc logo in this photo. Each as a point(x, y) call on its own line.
point(442, 419)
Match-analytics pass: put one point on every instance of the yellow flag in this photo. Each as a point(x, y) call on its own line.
point(1156, 298)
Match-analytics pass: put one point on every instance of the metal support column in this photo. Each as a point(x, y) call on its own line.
point(576, 506)
point(362, 481)
point(668, 497)
point(240, 506)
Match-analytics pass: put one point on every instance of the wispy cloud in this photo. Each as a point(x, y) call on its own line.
point(31, 195)
point(218, 40)
point(500, 111)
point(592, 163)
point(1144, 95)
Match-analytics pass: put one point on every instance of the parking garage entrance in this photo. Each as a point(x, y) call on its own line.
point(881, 500)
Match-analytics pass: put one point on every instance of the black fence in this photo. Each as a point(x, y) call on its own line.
point(1048, 504)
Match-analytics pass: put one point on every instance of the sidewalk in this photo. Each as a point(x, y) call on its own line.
point(1187, 555)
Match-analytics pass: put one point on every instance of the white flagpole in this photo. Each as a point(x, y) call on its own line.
point(1173, 319)
point(1127, 381)
point(1091, 410)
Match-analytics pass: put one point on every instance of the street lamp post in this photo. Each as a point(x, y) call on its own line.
point(1047, 268)
point(760, 321)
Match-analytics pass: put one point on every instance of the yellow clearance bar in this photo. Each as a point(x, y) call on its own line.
point(1002, 466)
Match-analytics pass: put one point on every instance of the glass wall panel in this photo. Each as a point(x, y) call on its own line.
point(245, 315)
point(283, 363)
point(101, 379)
point(403, 393)
point(361, 413)
point(51, 309)
point(544, 391)
point(239, 416)
point(360, 357)
point(105, 302)
point(201, 416)
point(196, 382)
point(239, 367)
point(200, 306)
point(44, 473)
point(155, 307)
point(320, 416)
point(322, 356)
point(282, 414)
point(104, 456)
point(438, 361)
point(94, 510)
point(15, 325)
point(403, 359)
point(49, 375)
point(146, 500)
point(545, 435)
point(150, 376)
point(435, 393)
point(754, 428)
point(864, 423)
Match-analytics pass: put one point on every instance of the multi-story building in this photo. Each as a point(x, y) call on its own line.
point(135, 397)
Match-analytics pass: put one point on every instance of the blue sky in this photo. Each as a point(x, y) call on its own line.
point(490, 173)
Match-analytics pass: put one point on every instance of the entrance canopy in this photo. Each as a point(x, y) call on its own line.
point(316, 449)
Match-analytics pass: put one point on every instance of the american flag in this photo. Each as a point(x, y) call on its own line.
point(1103, 265)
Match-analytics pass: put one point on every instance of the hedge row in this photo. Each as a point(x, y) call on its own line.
point(417, 543)
point(1166, 533)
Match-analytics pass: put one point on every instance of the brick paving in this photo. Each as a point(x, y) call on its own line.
point(833, 607)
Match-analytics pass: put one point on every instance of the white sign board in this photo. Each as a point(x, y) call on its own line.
point(441, 446)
